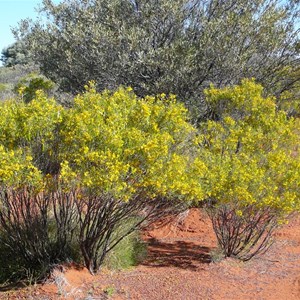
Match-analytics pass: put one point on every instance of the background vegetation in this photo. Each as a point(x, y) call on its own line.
point(167, 46)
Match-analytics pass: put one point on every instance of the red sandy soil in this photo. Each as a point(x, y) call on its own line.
point(179, 266)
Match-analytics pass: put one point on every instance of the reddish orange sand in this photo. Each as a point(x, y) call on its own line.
point(179, 267)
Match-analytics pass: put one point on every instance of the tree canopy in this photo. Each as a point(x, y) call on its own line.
point(15, 54)
point(170, 46)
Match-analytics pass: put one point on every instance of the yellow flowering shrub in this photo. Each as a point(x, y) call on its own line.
point(250, 153)
point(120, 144)
point(112, 158)
point(28, 132)
point(17, 169)
point(113, 141)
point(21, 123)
point(250, 150)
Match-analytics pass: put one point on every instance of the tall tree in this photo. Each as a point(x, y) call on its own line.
point(171, 46)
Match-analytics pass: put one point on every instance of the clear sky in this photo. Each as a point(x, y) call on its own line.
point(11, 12)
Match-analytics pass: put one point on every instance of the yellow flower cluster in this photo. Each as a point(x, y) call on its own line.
point(119, 144)
point(249, 151)
point(17, 169)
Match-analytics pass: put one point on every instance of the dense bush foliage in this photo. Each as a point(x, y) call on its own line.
point(110, 158)
point(254, 169)
point(170, 46)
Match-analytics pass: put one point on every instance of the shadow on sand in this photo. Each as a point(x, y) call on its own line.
point(180, 254)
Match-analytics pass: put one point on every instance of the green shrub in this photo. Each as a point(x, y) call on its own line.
point(30, 84)
point(12, 75)
point(171, 46)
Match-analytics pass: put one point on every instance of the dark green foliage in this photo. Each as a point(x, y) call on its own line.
point(31, 83)
point(15, 54)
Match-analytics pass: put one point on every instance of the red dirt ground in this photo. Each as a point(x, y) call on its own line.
point(179, 266)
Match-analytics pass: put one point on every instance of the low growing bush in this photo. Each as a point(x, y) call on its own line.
point(28, 85)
